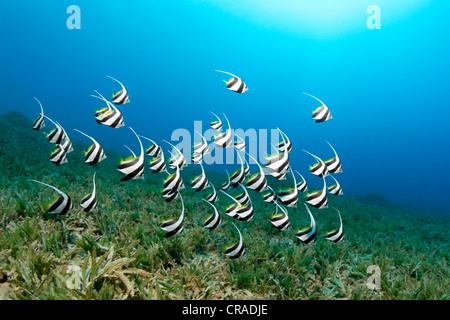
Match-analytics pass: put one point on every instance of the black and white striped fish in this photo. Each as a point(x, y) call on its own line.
point(247, 168)
point(61, 204)
point(39, 122)
point(243, 197)
point(94, 153)
point(278, 175)
point(271, 196)
point(280, 221)
point(334, 165)
point(109, 116)
point(154, 150)
point(121, 96)
point(133, 167)
point(338, 234)
point(89, 201)
point(318, 199)
point(212, 197)
point(213, 220)
point(286, 144)
point(242, 212)
point(196, 158)
point(289, 197)
point(158, 164)
point(235, 84)
point(224, 139)
point(232, 209)
point(174, 226)
point(237, 249)
point(322, 113)
point(336, 188)
point(59, 155)
point(56, 135)
point(238, 176)
point(257, 181)
point(178, 160)
point(202, 147)
point(172, 184)
point(67, 144)
point(200, 182)
point(240, 144)
point(318, 169)
point(245, 212)
point(278, 164)
point(216, 125)
point(302, 186)
point(308, 234)
point(226, 185)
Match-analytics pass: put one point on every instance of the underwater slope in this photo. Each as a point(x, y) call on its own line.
point(119, 250)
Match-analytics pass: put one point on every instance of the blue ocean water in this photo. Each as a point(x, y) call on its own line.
point(387, 88)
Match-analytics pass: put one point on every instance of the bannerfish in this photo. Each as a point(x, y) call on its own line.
point(56, 135)
point(270, 196)
point(196, 158)
point(121, 96)
point(224, 139)
point(110, 116)
point(133, 167)
point(319, 169)
point(216, 125)
point(174, 226)
point(308, 234)
point(338, 234)
point(238, 176)
point(94, 153)
point(247, 168)
point(154, 150)
point(61, 204)
point(336, 188)
point(158, 164)
point(240, 144)
point(59, 155)
point(302, 186)
point(227, 184)
point(172, 184)
point(245, 212)
point(334, 165)
point(212, 197)
point(89, 201)
point(232, 209)
point(257, 181)
point(200, 182)
point(202, 147)
point(322, 113)
point(178, 160)
point(289, 197)
point(39, 122)
point(235, 83)
point(318, 199)
point(67, 144)
point(286, 144)
point(243, 197)
point(237, 249)
point(280, 221)
point(278, 164)
point(213, 220)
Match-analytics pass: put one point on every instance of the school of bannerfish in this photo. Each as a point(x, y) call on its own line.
point(241, 207)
